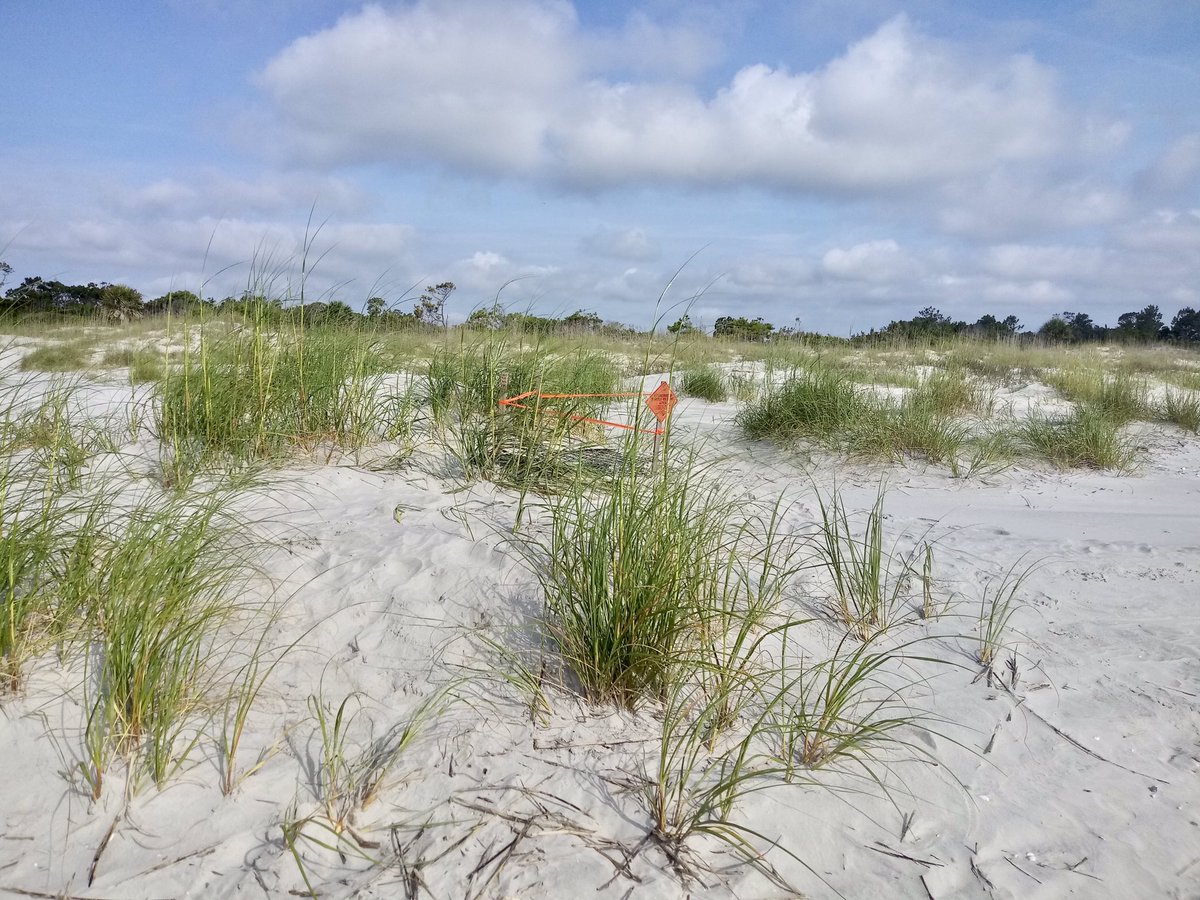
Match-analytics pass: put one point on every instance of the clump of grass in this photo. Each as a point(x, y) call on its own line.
point(869, 582)
point(262, 395)
point(532, 446)
point(1003, 362)
point(848, 709)
point(930, 609)
point(1086, 438)
point(33, 531)
point(986, 453)
point(813, 403)
point(1119, 396)
point(822, 405)
point(70, 356)
point(638, 577)
point(997, 606)
point(744, 387)
point(704, 382)
point(43, 520)
point(1182, 409)
point(692, 787)
point(144, 365)
point(1188, 379)
point(353, 769)
point(158, 589)
point(792, 718)
point(58, 440)
point(910, 429)
point(140, 587)
point(947, 392)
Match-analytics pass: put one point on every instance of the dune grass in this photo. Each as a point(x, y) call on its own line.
point(262, 395)
point(145, 365)
point(1181, 408)
point(704, 382)
point(824, 407)
point(813, 403)
point(1087, 437)
point(353, 766)
point(654, 570)
point(43, 451)
point(850, 709)
point(869, 582)
point(1188, 379)
point(135, 586)
point(533, 446)
point(1117, 396)
point(67, 356)
point(34, 530)
point(997, 606)
point(161, 589)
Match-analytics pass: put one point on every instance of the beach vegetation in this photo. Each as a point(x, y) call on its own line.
point(704, 382)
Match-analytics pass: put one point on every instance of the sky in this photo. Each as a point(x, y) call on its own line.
point(836, 163)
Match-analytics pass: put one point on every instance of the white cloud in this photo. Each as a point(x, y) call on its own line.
point(625, 243)
point(512, 89)
point(1038, 263)
point(1046, 295)
point(1167, 230)
point(485, 272)
point(1176, 170)
point(1006, 203)
point(470, 84)
point(873, 261)
point(772, 274)
point(644, 46)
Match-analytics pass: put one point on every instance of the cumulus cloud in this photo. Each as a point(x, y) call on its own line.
point(624, 243)
point(471, 84)
point(643, 46)
point(485, 272)
point(873, 261)
point(512, 89)
point(1005, 203)
point(1043, 294)
point(772, 274)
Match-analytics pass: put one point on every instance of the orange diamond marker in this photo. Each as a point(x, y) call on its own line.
point(662, 401)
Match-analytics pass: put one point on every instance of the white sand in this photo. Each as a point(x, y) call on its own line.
point(1083, 781)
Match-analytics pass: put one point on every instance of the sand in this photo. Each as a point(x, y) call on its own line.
point(1081, 780)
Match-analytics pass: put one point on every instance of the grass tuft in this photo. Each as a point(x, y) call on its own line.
point(706, 383)
point(1086, 438)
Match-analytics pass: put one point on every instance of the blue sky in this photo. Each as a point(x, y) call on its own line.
point(840, 162)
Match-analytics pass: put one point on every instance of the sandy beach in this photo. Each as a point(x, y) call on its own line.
point(394, 592)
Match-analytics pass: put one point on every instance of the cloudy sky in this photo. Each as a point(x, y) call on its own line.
point(840, 162)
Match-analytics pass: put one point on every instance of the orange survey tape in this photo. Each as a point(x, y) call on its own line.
point(516, 403)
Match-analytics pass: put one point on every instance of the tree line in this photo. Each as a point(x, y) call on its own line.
point(120, 302)
point(1143, 326)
